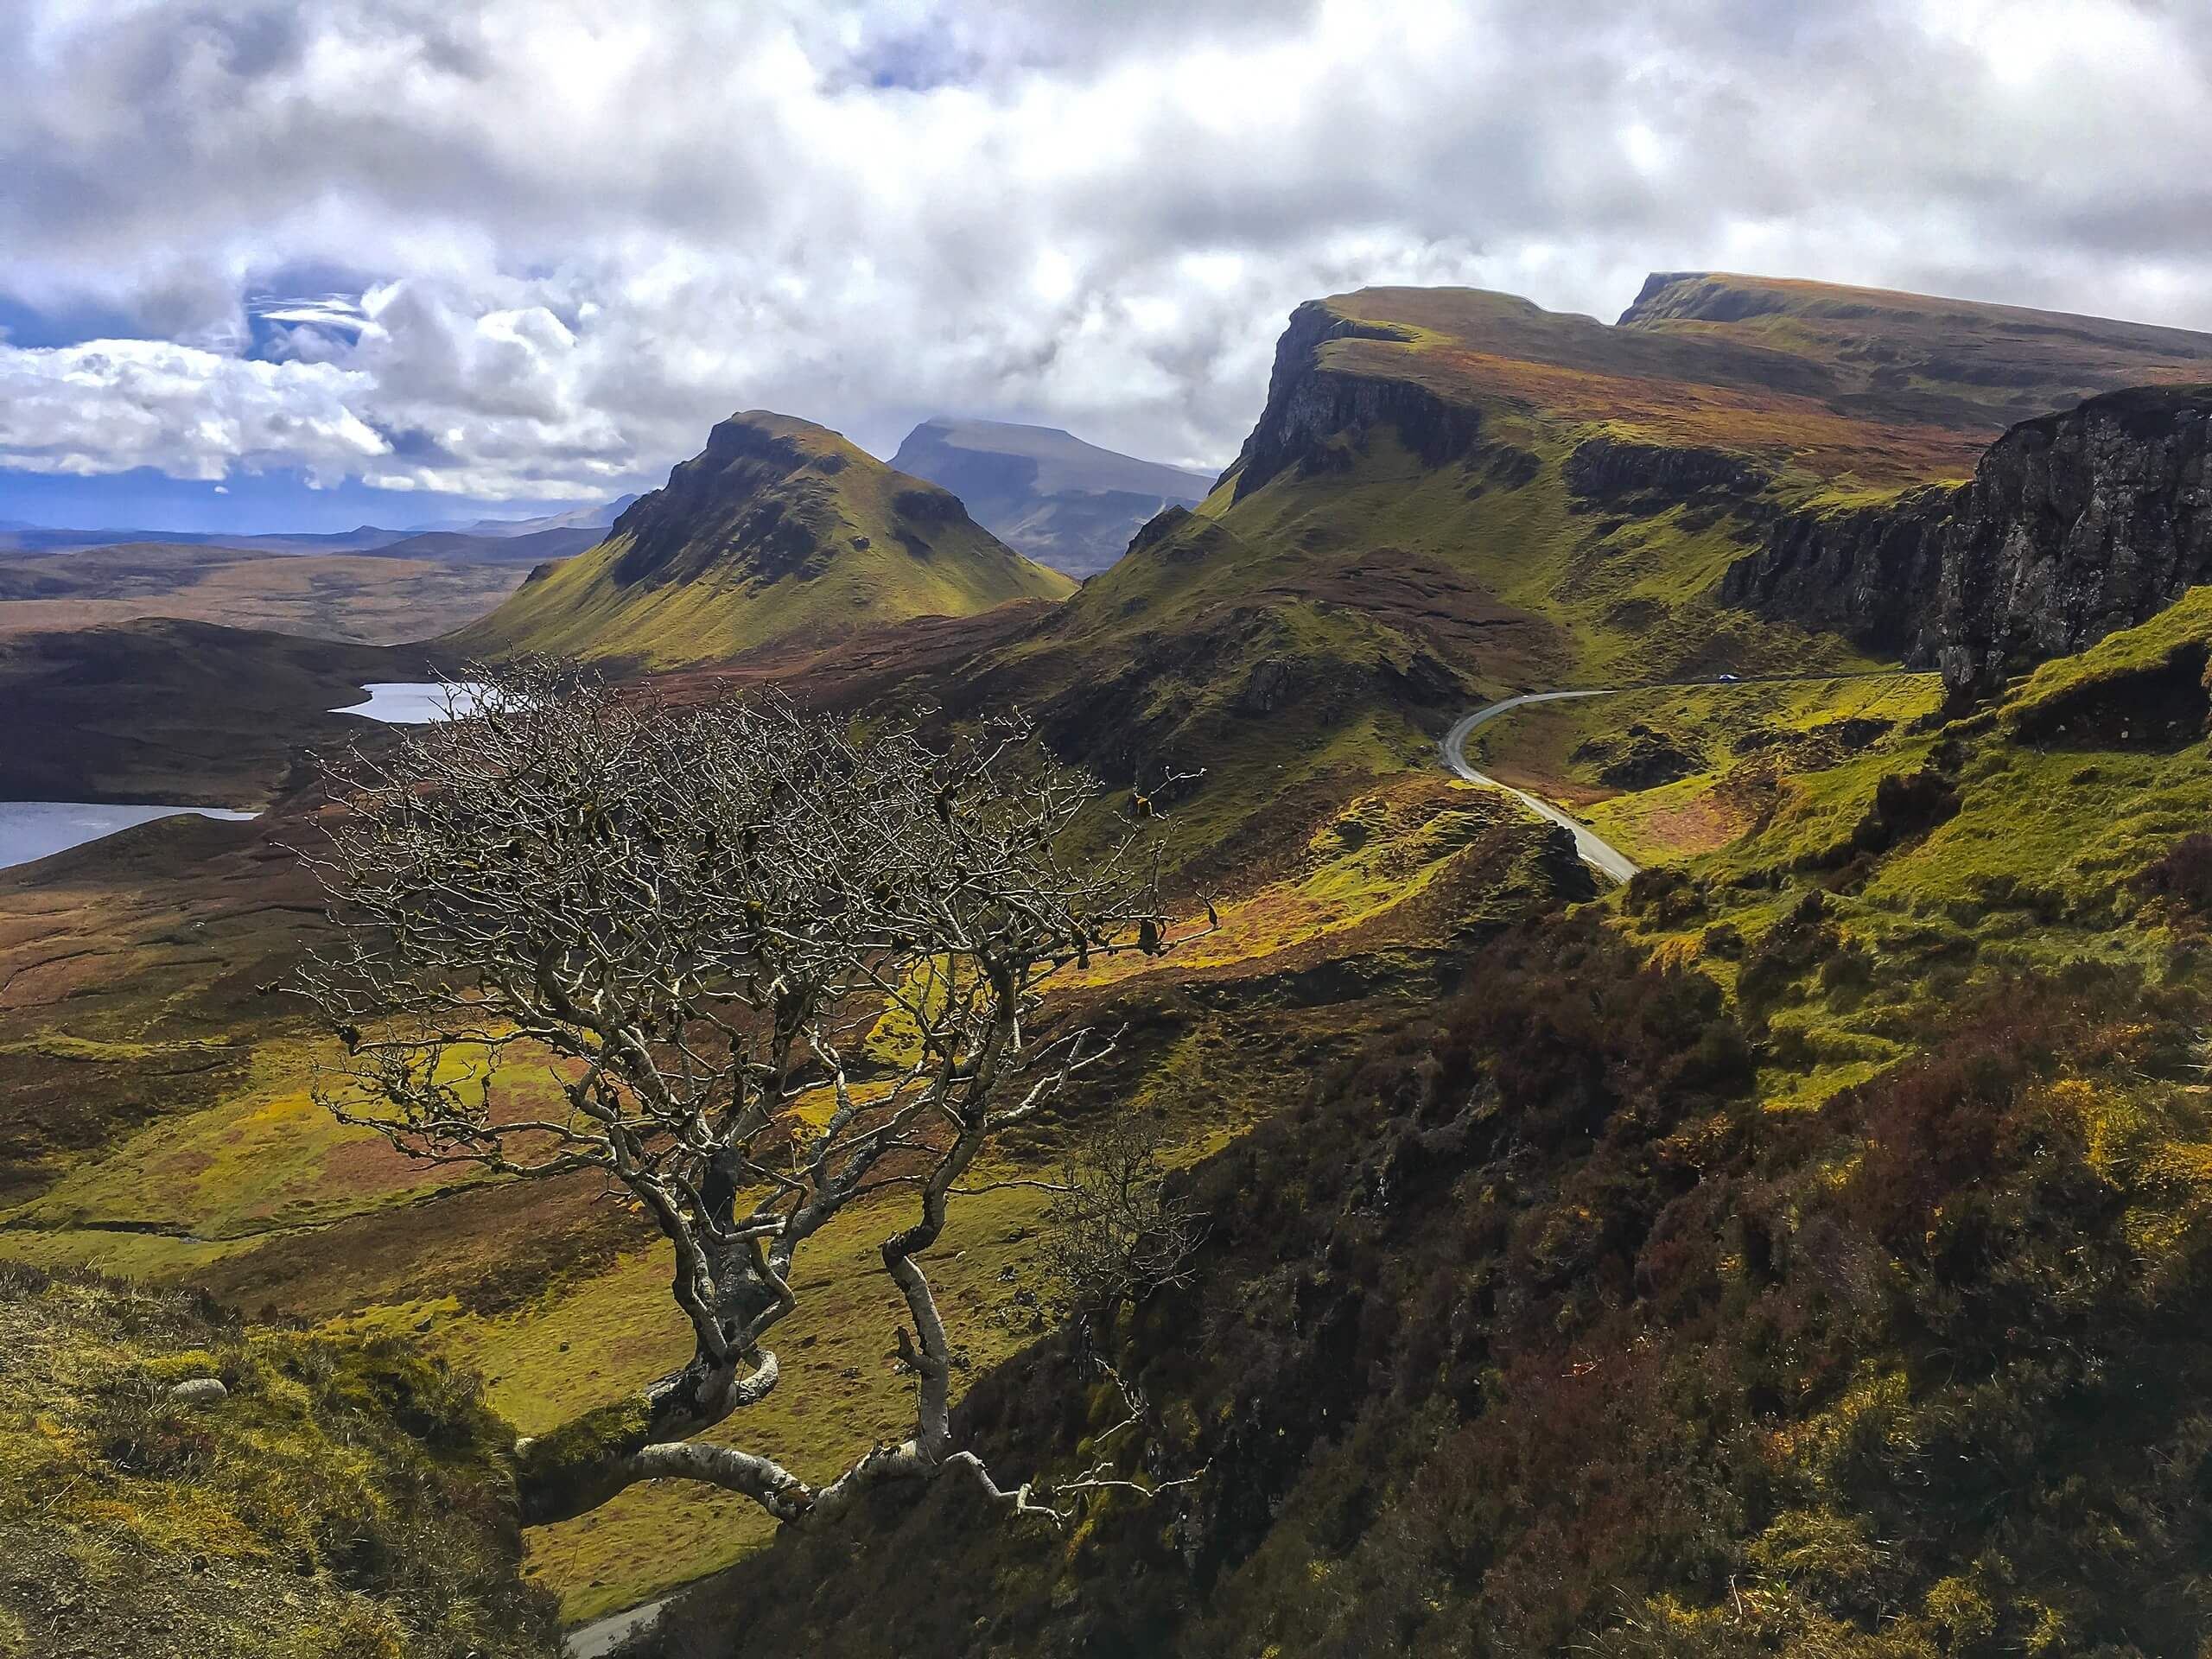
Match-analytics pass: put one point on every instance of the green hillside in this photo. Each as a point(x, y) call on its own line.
point(1798, 1252)
point(1451, 1180)
point(779, 532)
point(1452, 494)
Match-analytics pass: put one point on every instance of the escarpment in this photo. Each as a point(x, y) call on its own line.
point(1868, 573)
point(1316, 418)
point(2073, 525)
point(1607, 469)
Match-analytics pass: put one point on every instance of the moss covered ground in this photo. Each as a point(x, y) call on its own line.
point(344, 1499)
point(239, 1181)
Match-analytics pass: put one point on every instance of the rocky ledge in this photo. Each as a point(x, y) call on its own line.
point(2074, 524)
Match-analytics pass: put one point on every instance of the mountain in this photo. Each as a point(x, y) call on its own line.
point(598, 517)
point(1798, 1249)
point(1912, 357)
point(1791, 1252)
point(1064, 503)
point(780, 531)
point(1451, 494)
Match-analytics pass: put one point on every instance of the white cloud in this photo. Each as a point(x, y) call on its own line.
point(584, 230)
point(107, 406)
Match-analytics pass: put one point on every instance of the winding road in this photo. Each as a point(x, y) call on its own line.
point(603, 1635)
point(1596, 852)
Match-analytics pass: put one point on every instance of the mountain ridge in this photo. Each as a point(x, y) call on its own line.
point(779, 529)
point(1066, 502)
point(475, 540)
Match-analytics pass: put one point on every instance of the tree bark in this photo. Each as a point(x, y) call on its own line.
point(590, 1459)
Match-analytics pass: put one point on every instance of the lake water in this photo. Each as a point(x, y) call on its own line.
point(31, 829)
point(414, 702)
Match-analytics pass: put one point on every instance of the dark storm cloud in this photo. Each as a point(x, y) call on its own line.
point(593, 227)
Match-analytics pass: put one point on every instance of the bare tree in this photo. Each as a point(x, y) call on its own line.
point(1115, 1232)
point(778, 969)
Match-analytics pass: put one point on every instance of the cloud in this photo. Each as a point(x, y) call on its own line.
point(577, 231)
point(110, 405)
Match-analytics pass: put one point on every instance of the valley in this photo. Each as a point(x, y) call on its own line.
point(355, 600)
point(1615, 1210)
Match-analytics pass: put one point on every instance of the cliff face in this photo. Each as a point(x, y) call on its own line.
point(1612, 469)
point(1317, 417)
point(1869, 573)
point(2073, 525)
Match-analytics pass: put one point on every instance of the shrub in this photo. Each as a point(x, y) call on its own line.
point(2179, 881)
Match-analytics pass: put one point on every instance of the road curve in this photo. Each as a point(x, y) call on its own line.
point(1596, 851)
point(603, 1635)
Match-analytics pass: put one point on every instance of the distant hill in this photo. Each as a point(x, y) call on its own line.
point(474, 547)
point(160, 709)
point(368, 599)
point(779, 531)
point(1046, 493)
point(599, 517)
point(476, 542)
point(36, 538)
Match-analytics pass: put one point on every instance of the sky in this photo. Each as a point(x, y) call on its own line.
point(302, 263)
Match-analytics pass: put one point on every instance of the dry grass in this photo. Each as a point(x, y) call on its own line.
point(362, 601)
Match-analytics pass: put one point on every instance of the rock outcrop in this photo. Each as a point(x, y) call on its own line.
point(1611, 470)
point(1316, 419)
point(2074, 524)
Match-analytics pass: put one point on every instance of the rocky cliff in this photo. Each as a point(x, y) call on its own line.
point(1317, 418)
point(2073, 525)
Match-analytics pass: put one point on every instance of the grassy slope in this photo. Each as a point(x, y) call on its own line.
point(2028, 865)
point(1388, 591)
point(1304, 642)
point(1298, 639)
point(1916, 356)
point(342, 1502)
point(1803, 1261)
point(879, 561)
point(179, 1145)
